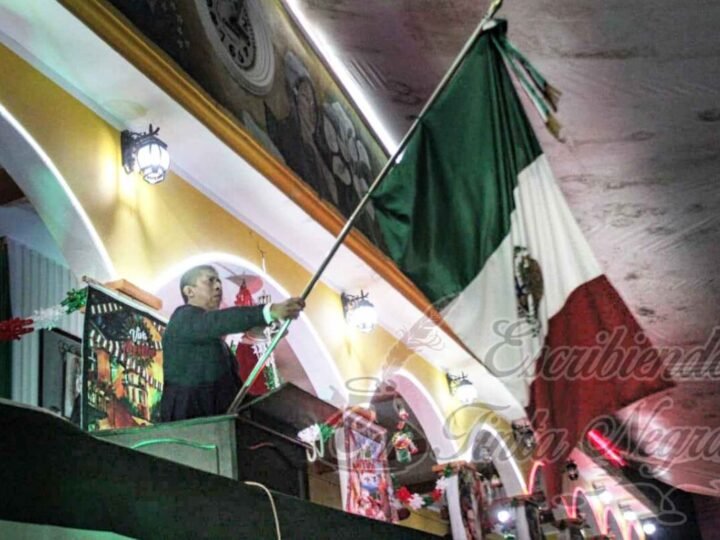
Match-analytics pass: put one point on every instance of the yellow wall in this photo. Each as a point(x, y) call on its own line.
point(147, 229)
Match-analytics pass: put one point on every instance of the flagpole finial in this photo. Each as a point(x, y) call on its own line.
point(493, 9)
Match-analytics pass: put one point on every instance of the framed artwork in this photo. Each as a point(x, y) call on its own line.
point(365, 480)
point(60, 373)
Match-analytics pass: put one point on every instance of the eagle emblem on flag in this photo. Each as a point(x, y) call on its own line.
point(528, 287)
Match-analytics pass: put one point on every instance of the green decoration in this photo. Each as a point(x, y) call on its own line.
point(74, 300)
point(272, 378)
point(326, 432)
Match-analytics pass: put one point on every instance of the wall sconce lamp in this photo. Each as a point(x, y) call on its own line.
point(571, 469)
point(146, 153)
point(359, 311)
point(523, 434)
point(628, 513)
point(461, 387)
point(649, 527)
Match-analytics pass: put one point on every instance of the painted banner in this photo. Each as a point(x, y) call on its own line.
point(365, 481)
point(123, 363)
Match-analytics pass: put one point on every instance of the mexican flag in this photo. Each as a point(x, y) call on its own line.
point(473, 216)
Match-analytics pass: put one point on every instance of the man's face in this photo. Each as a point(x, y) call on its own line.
point(207, 291)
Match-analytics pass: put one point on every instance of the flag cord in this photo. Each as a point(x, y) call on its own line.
point(492, 10)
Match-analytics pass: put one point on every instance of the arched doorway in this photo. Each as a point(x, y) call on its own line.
point(635, 532)
point(301, 357)
point(612, 525)
point(538, 491)
point(428, 414)
point(412, 466)
point(487, 445)
point(582, 508)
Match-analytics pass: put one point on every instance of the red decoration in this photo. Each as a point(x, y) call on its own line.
point(246, 360)
point(243, 297)
point(403, 495)
point(15, 328)
point(436, 494)
point(603, 445)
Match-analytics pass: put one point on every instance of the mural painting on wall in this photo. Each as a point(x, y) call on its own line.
point(249, 56)
point(123, 375)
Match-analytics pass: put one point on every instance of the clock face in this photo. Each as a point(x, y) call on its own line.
point(240, 37)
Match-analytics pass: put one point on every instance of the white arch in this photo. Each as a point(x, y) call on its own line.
point(314, 357)
point(617, 520)
point(51, 196)
point(535, 471)
point(446, 448)
point(503, 460)
point(427, 412)
point(591, 508)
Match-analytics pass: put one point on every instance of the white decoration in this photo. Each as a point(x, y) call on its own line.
point(310, 434)
point(442, 484)
point(48, 318)
point(416, 502)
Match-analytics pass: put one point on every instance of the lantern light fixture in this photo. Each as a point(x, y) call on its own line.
point(649, 527)
point(145, 153)
point(359, 311)
point(462, 388)
point(628, 513)
point(571, 469)
point(503, 516)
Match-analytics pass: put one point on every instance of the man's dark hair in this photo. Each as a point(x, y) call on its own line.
point(190, 277)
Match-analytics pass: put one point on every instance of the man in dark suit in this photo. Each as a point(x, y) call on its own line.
point(199, 367)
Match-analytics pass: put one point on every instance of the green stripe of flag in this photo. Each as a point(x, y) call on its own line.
point(445, 208)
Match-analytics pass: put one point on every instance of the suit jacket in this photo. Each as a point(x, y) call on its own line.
point(194, 352)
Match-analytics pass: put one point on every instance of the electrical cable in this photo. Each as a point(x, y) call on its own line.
point(272, 504)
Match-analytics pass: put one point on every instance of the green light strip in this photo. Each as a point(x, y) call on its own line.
point(182, 442)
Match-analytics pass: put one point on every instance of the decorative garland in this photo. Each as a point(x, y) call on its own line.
point(316, 435)
point(45, 318)
point(15, 328)
point(415, 501)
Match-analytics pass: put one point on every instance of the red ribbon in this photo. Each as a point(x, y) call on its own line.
point(15, 328)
